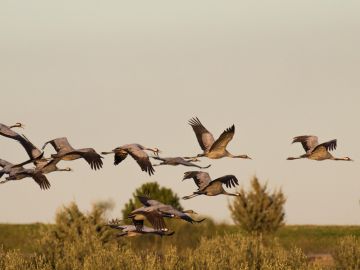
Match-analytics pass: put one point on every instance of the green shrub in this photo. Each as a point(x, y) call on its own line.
point(258, 211)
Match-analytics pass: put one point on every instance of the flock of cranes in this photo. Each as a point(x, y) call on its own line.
point(153, 211)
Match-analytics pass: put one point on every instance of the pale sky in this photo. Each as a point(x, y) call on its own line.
point(108, 73)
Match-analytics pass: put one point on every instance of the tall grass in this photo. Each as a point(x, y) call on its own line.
point(233, 251)
point(82, 241)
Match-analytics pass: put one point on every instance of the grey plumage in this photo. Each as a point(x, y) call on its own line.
point(137, 152)
point(316, 151)
point(33, 152)
point(211, 148)
point(19, 173)
point(175, 161)
point(151, 214)
point(167, 210)
point(66, 152)
point(138, 228)
point(209, 187)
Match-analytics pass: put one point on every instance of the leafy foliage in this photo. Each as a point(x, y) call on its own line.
point(153, 190)
point(258, 211)
point(75, 234)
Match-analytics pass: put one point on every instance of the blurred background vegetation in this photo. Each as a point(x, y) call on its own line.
point(258, 240)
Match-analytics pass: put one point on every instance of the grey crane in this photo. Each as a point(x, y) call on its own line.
point(168, 211)
point(316, 151)
point(137, 152)
point(32, 151)
point(209, 187)
point(174, 161)
point(66, 152)
point(138, 228)
point(150, 213)
point(213, 149)
point(19, 173)
point(42, 165)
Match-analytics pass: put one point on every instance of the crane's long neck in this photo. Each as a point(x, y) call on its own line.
point(228, 154)
point(343, 159)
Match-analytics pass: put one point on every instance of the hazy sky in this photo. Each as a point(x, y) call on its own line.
point(107, 73)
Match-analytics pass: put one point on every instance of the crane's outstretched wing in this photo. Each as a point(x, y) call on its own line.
point(309, 142)
point(142, 159)
point(329, 146)
point(228, 180)
point(42, 181)
point(224, 139)
point(138, 223)
point(152, 215)
point(60, 144)
point(89, 154)
point(32, 151)
point(147, 201)
point(204, 137)
point(119, 155)
point(201, 179)
point(7, 132)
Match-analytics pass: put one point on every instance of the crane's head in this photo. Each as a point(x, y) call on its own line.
point(348, 159)
point(18, 125)
point(68, 169)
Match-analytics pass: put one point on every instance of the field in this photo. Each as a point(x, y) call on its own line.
point(318, 243)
